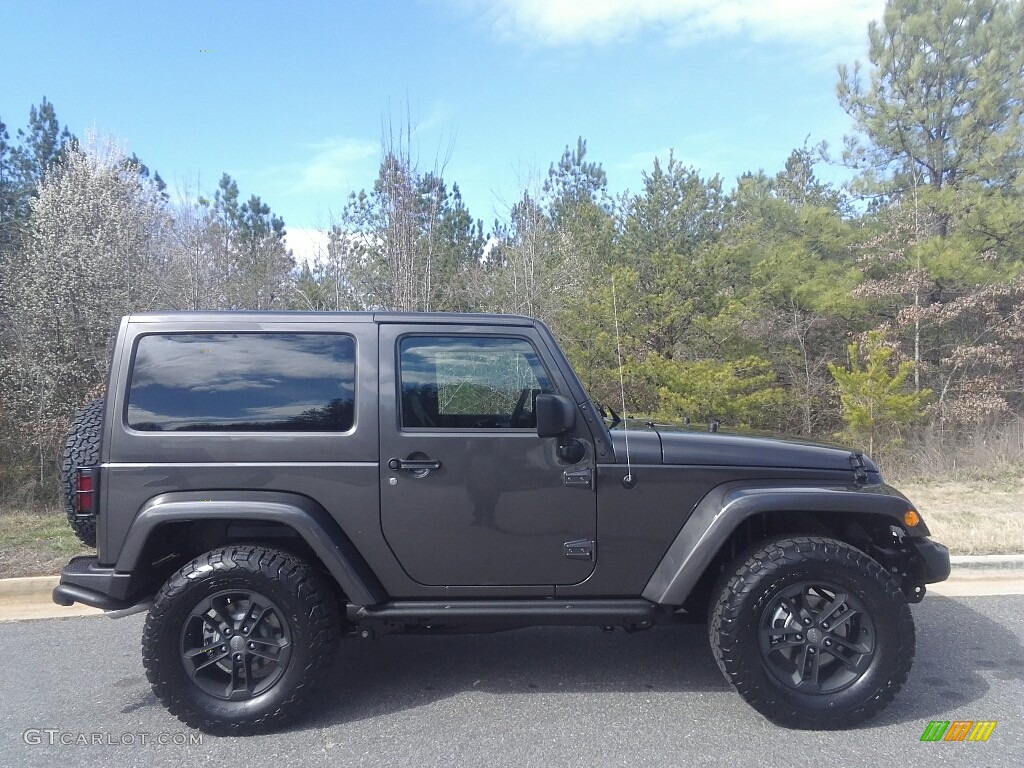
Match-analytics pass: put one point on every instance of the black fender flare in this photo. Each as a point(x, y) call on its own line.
point(719, 513)
point(308, 519)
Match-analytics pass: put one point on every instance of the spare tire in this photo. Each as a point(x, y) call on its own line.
point(81, 449)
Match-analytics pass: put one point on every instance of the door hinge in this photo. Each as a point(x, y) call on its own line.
point(859, 467)
point(577, 478)
point(582, 549)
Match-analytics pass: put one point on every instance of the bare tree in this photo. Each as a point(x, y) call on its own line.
point(93, 253)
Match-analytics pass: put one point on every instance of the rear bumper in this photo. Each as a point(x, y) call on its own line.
point(933, 560)
point(84, 581)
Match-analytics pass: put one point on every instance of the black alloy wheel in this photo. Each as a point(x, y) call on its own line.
point(235, 644)
point(816, 638)
point(239, 638)
point(812, 632)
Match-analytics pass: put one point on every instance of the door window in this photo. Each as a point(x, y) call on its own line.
point(470, 382)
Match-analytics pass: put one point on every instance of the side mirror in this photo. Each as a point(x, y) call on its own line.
point(556, 415)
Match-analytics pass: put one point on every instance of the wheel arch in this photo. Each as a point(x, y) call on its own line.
point(173, 527)
point(735, 516)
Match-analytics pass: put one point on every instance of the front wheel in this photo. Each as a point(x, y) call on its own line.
point(238, 638)
point(813, 633)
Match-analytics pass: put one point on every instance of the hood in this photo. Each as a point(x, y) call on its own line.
point(666, 444)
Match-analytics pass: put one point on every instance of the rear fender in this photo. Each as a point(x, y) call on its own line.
point(308, 519)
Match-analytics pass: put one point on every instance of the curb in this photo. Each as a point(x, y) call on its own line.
point(27, 588)
point(30, 597)
point(32, 587)
point(34, 592)
point(986, 562)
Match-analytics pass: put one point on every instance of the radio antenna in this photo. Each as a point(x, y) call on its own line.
point(628, 481)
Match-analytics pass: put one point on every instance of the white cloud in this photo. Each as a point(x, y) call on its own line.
point(561, 22)
point(337, 163)
point(306, 244)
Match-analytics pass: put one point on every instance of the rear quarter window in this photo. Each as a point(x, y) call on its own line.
point(243, 382)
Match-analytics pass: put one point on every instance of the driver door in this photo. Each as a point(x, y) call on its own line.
point(470, 495)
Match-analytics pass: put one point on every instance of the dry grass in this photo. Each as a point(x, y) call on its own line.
point(972, 516)
point(985, 451)
point(34, 544)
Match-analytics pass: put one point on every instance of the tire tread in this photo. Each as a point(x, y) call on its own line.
point(299, 578)
point(81, 449)
point(735, 596)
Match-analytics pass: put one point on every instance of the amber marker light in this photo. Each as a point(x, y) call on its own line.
point(911, 518)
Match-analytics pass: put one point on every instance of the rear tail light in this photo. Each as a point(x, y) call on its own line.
point(86, 491)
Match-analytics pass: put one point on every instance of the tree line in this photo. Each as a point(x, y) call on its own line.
point(881, 311)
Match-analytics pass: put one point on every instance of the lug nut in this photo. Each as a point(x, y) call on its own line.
point(824, 624)
point(807, 621)
point(252, 646)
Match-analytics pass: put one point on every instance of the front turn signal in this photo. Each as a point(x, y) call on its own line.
point(911, 518)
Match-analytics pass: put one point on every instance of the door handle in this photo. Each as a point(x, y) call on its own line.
point(414, 465)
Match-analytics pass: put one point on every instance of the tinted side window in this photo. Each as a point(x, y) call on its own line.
point(249, 382)
point(470, 382)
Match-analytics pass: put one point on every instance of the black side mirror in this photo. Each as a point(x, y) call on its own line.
point(556, 415)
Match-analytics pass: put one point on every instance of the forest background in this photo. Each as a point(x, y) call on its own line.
point(887, 313)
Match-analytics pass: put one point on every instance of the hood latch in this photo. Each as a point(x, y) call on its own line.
point(860, 472)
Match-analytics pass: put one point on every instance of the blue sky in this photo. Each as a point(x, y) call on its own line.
point(290, 98)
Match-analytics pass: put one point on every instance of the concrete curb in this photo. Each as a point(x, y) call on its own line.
point(34, 587)
point(26, 587)
point(30, 596)
point(986, 562)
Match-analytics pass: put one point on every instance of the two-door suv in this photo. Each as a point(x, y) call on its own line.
point(265, 483)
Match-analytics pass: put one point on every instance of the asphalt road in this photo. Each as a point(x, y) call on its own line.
point(537, 697)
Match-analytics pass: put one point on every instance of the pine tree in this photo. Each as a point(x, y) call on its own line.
point(876, 406)
point(943, 101)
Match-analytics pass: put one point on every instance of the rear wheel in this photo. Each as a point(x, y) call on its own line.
point(238, 639)
point(813, 633)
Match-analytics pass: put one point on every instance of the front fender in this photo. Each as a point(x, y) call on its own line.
point(724, 508)
point(304, 516)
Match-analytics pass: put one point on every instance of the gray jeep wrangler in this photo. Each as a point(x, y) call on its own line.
point(265, 483)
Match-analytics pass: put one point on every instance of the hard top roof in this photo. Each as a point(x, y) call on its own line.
point(199, 317)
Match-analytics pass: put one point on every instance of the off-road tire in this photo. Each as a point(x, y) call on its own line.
point(738, 632)
point(306, 604)
point(81, 449)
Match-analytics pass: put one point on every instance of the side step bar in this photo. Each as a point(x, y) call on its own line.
point(546, 612)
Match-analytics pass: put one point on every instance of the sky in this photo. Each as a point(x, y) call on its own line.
point(293, 99)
